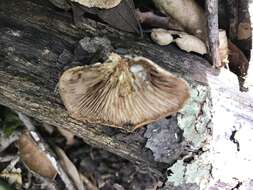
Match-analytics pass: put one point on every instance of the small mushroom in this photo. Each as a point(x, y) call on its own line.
point(123, 92)
point(161, 36)
point(102, 4)
point(188, 13)
point(190, 43)
point(184, 41)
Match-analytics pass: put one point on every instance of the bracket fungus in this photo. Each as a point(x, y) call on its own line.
point(123, 92)
point(117, 13)
point(102, 4)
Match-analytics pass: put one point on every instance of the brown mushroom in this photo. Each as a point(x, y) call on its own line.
point(102, 4)
point(117, 13)
point(123, 92)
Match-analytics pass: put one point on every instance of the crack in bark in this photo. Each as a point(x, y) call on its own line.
point(236, 142)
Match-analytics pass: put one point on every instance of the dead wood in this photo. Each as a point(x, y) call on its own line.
point(33, 44)
point(213, 31)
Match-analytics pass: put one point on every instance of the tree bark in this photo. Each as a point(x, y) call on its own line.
point(33, 44)
point(213, 32)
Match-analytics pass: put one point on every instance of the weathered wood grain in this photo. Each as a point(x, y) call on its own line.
point(33, 34)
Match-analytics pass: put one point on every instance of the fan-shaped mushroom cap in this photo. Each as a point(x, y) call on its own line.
point(161, 36)
point(123, 92)
point(103, 4)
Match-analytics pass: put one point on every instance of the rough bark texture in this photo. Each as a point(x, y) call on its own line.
point(34, 37)
point(38, 42)
point(234, 16)
point(213, 31)
point(244, 30)
point(232, 6)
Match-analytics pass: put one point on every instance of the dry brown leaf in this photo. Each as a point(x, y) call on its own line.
point(102, 4)
point(123, 92)
point(36, 160)
point(70, 168)
point(238, 63)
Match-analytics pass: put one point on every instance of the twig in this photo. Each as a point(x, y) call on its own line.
point(153, 20)
point(12, 164)
point(5, 142)
point(44, 148)
point(8, 158)
point(213, 31)
point(88, 183)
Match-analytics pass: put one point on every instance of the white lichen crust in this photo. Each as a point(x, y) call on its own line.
point(123, 92)
point(102, 4)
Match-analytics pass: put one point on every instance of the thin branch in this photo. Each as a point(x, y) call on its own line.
point(213, 31)
point(7, 158)
point(153, 20)
point(5, 142)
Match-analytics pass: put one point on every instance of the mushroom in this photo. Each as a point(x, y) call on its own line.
point(118, 13)
point(102, 4)
point(188, 13)
point(123, 92)
point(184, 41)
point(190, 43)
point(161, 36)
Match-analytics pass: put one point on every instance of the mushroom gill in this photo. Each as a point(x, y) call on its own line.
point(123, 92)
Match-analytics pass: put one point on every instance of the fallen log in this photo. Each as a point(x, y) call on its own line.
point(36, 43)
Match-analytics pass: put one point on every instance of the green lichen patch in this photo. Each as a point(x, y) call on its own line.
point(196, 172)
point(195, 117)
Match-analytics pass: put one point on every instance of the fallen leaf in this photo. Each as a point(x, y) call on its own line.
point(238, 63)
point(35, 159)
point(69, 168)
